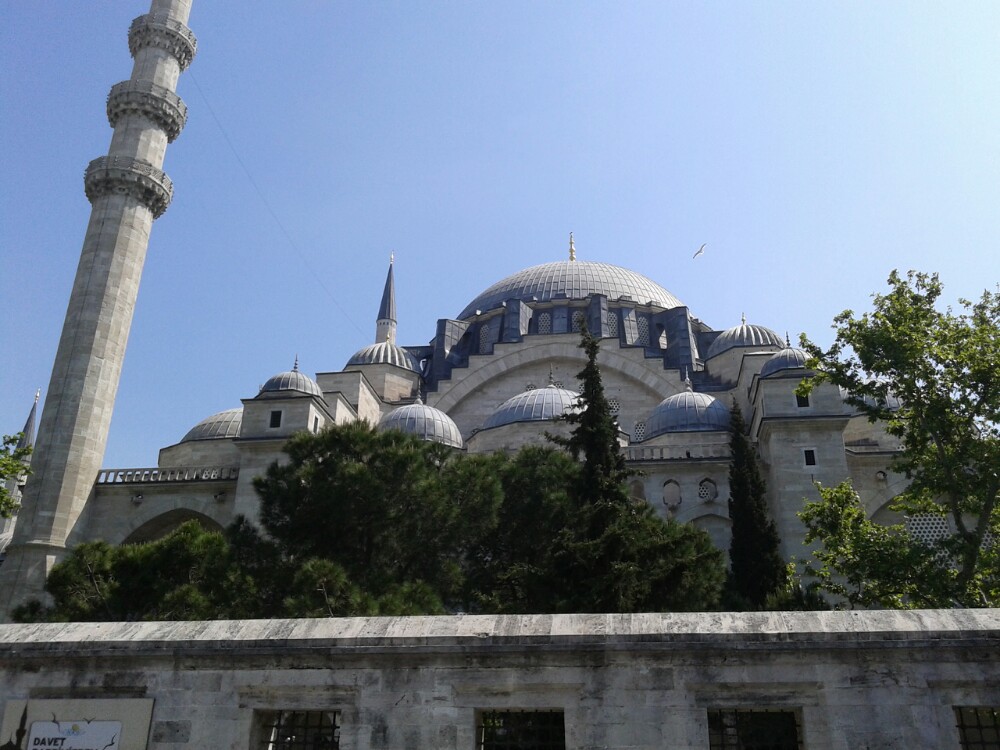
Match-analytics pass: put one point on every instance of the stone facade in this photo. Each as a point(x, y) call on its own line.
point(847, 680)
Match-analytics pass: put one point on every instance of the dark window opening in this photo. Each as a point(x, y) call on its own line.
point(300, 730)
point(810, 457)
point(742, 729)
point(978, 728)
point(802, 401)
point(521, 730)
point(275, 419)
point(315, 424)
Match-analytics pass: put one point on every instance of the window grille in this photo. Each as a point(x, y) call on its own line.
point(300, 730)
point(928, 528)
point(639, 433)
point(484, 339)
point(545, 323)
point(613, 323)
point(643, 322)
point(557, 383)
point(707, 491)
point(529, 387)
point(615, 405)
point(578, 319)
point(517, 730)
point(275, 420)
point(743, 729)
point(978, 728)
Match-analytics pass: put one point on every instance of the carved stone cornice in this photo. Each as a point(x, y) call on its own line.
point(158, 103)
point(164, 32)
point(117, 175)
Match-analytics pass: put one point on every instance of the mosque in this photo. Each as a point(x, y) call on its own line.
point(495, 376)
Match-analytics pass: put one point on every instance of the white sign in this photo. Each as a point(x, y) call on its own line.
point(74, 735)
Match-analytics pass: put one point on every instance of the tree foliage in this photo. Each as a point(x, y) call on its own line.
point(615, 554)
point(933, 378)
point(365, 522)
point(13, 465)
point(756, 569)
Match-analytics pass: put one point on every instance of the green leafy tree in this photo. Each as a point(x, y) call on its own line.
point(13, 465)
point(178, 577)
point(386, 507)
point(756, 569)
point(615, 554)
point(932, 377)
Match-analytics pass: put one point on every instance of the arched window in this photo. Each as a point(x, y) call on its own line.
point(707, 491)
point(671, 494)
point(637, 490)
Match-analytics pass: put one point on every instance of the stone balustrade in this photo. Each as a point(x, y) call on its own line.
point(173, 475)
point(677, 452)
point(108, 175)
point(157, 103)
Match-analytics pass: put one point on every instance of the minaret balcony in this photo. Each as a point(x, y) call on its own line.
point(149, 100)
point(118, 175)
point(159, 30)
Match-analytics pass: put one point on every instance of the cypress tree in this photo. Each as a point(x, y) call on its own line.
point(756, 567)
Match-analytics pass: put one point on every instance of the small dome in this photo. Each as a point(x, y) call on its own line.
point(788, 358)
point(385, 354)
point(572, 279)
point(426, 422)
point(225, 424)
point(688, 412)
point(537, 405)
point(744, 335)
point(293, 380)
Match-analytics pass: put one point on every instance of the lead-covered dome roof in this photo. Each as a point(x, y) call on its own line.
point(225, 424)
point(573, 279)
point(744, 334)
point(385, 353)
point(688, 412)
point(293, 380)
point(536, 405)
point(788, 358)
point(426, 422)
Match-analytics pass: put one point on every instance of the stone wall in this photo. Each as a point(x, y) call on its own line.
point(851, 679)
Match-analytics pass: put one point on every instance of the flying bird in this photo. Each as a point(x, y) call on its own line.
point(700, 251)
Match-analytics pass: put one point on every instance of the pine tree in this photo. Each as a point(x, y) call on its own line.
point(756, 567)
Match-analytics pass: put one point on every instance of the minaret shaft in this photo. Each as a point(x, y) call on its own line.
point(127, 191)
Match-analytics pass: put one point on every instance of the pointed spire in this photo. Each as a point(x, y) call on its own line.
point(552, 380)
point(687, 380)
point(788, 341)
point(385, 324)
point(28, 433)
point(572, 248)
point(743, 318)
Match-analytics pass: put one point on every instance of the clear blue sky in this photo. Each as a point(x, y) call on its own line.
point(813, 146)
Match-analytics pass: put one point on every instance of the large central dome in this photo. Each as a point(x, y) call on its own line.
point(572, 279)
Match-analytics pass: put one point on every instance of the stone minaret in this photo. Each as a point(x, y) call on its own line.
point(385, 325)
point(127, 191)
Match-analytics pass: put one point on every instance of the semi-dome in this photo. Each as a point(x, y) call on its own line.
point(225, 424)
point(536, 405)
point(385, 353)
point(744, 335)
point(426, 422)
point(788, 358)
point(688, 412)
point(293, 380)
point(573, 279)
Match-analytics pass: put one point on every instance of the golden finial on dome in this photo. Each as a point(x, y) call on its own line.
point(295, 367)
point(572, 248)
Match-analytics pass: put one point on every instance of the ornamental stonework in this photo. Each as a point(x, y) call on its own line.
point(152, 101)
point(116, 175)
point(165, 33)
